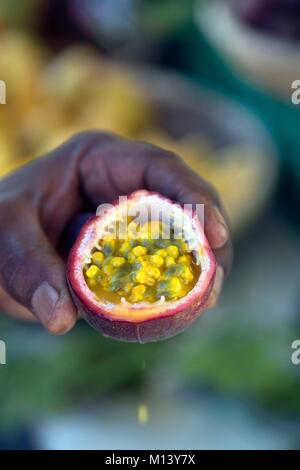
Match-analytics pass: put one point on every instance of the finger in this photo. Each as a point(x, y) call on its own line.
point(216, 226)
point(33, 274)
point(183, 185)
point(110, 166)
point(115, 166)
point(224, 257)
point(179, 182)
point(216, 290)
point(14, 309)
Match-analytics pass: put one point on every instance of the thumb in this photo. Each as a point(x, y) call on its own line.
point(33, 273)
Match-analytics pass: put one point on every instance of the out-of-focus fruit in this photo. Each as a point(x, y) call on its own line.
point(68, 77)
point(21, 63)
point(279, 17)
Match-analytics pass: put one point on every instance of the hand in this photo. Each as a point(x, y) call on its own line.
point(39, 200)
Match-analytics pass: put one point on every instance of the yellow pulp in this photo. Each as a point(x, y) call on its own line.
point(142, 414)
point(141, 268)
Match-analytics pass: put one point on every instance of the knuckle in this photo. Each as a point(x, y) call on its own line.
point(84, 136)
point(16, 211)
point(9, 270)
point(16, 278)
point(166, 155)
point(158, 153)
point(88, 136)
point(213, 193)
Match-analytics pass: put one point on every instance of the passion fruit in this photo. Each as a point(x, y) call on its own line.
point(141, 278)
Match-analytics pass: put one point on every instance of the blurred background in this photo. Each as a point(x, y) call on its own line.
point(210, 80)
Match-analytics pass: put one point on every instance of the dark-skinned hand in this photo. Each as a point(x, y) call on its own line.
point(40, 199)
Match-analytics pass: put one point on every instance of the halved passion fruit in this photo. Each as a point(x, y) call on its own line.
point(141, 270)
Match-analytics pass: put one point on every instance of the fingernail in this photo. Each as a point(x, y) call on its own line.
point(44, 301)
point(218, 281)
point(217, 287)
point(223, 231)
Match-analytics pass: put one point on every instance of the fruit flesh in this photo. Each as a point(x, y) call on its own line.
point(143, 267)
point(142, 321)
